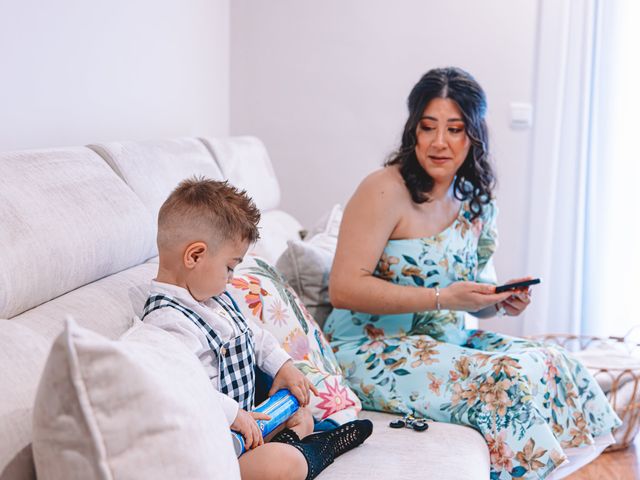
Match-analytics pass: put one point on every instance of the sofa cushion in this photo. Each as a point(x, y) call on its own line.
point(140, 407)
point(306, 264)
point(329, 224)
point(276, 229)
point(106, 306)
point(264, 296)
point(154, 168)
point(22, 357)
point(444, 452)
point(67, 220)
point(246, 164)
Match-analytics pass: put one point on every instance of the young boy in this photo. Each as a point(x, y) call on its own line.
point(204, 230)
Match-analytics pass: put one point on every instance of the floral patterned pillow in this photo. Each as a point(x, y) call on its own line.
point(263, 294)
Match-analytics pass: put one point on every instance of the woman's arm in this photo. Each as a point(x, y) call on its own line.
point(368, 222)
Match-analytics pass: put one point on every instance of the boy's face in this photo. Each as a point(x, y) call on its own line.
point(211, 274)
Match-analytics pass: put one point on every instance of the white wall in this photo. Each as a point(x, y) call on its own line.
point(74, 72)
point(324, 84)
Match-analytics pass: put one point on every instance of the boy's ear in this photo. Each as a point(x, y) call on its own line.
point(194, 253)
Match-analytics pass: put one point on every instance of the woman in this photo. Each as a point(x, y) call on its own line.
point(428, 220)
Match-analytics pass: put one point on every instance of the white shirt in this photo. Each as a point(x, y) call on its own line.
point(270, 356)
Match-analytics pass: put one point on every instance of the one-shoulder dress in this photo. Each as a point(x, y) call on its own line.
point(529, 401)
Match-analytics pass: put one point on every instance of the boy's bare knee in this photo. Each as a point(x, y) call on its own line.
point(295, 465)
point(286, 463)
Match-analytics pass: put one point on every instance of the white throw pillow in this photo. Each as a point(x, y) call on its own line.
point(306, 267)
point(329, 223)
point(138, 407)
point(307, 264)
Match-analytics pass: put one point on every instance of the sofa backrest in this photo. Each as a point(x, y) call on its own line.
point(66, 220)
point(246, 164)
point(71, 216)
point(152, 169)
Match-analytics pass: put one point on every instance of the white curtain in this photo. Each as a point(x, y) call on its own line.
point(611, 284)
point(559, 163)
point(582, 231)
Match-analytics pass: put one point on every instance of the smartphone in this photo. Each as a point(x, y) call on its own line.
point(513, 286)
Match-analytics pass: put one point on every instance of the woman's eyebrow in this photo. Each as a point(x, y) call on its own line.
point(455, 119)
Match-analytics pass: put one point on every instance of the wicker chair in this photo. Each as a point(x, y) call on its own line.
point(623, 384)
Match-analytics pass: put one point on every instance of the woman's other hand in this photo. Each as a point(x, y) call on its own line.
point(517, 301)
point(470, 296)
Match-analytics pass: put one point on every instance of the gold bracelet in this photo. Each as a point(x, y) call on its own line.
point(437, 298)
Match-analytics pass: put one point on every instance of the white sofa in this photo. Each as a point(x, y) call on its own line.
point(77, 236)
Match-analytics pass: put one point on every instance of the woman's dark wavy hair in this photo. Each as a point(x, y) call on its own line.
point(475, 179)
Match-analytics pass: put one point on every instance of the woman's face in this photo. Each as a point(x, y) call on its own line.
point(442, 142)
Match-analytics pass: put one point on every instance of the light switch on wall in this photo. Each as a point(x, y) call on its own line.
point(521, 115)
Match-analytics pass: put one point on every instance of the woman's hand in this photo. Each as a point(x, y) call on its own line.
point(470, 296)
point(295, 381)
point(245, 424)
point(517, 301)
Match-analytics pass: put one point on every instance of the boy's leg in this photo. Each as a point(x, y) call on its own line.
point(273, 461)
point(320, 449)
point(300, 422)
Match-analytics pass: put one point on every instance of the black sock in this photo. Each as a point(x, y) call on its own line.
point(320, 449)
point(318, 455)
point(344, 437)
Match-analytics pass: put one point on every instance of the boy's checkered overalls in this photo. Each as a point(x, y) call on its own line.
point(236, 358)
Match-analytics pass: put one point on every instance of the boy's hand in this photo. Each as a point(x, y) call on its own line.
point(293, 379)
point(245, 424)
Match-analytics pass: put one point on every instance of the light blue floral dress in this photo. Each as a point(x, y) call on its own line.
point(529, 401)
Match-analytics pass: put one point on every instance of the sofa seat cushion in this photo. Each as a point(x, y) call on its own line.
point(141, 407)
point(67, 220)
point(444, 452)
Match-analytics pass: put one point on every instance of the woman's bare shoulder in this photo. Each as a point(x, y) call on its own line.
point(385, 184)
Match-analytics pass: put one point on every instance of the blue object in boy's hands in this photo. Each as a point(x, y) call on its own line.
point(280, 406)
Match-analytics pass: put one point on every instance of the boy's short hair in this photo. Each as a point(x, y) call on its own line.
point(204, 207)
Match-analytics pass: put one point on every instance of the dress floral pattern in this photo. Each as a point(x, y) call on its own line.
point(529, 401)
